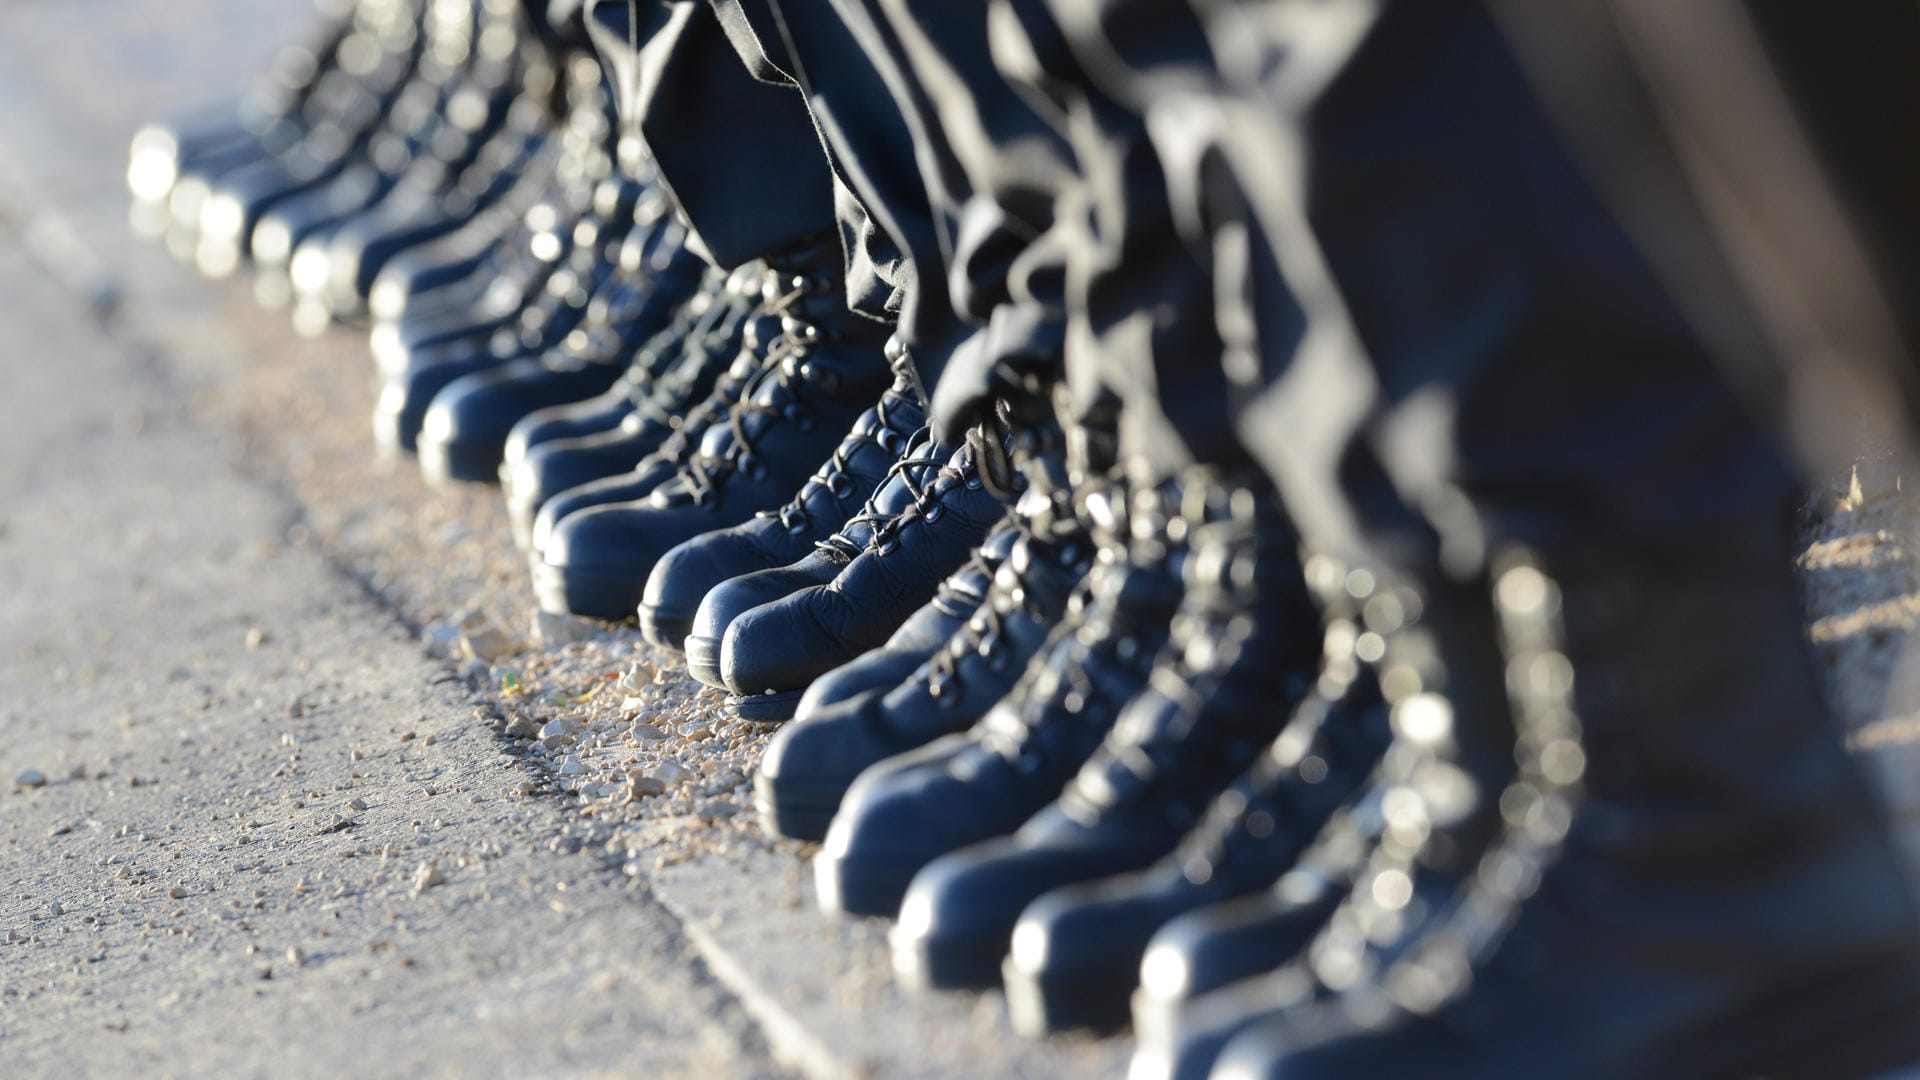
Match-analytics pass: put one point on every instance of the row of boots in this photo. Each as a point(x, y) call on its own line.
point(1233, 537)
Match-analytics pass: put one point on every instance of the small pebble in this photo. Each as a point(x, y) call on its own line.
point(256, 637)
point(30, 778)
point(442, 638)
point(670, 773)
point(552, 631)
point(485, 643)
point(648, 733)
point(175, 892)
point(427, 876)
point(638, 676)
point(570, 766)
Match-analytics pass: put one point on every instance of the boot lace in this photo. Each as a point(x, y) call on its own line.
point(912, 469)
point(790, 372)
point(1373, 952)
point(885, 432)
point(667, 367)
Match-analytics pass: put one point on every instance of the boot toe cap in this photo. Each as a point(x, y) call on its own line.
point(563, 505)
point(550, 468)
point(831, 748)
point(684, 577)
point(1295, 1047)
point(783, 645)
point(872, 674)
point(1096, 931)
point(964, 906)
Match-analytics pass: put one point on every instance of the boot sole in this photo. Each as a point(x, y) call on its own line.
point(797, 812)
point(703, 659)
point(565, 591)
point(861, 888)
point(457, 462)
point(672, 634)
point(388, 436)
point(520, 515)
point(765, 708)
point(1042, 1003)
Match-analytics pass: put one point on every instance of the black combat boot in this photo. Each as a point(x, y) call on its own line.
point(561, 305)
point(335, 278)
point(827, 366)
point(604, 411)
point(496, 119)
point(1243, 653)
point(866, 712)
point(301, 122)
point(511, 279)
point(1217, 946)
point(904, 813)
point(924, 634)
point(683, 429)
point(860, 464)
point(457, 98)
point(538, 168)
point(508, 282)
point(1691, 878)
point(1435, 811)
point(265, 121)
point(1077, 951)
point(455, 274)
point(811, 763)
point(916, 462)
point(382, 145)
point(554, 450)
point(464, 435)
point(771, 653)
point(1035, 447)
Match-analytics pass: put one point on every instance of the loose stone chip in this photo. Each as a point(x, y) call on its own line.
point(485, 643)
point(552, 631)
point(426, 877)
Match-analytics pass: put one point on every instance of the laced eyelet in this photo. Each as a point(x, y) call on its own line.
point(974, 483)
point(887, 439)
point(840, 484)
point(934, 513)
